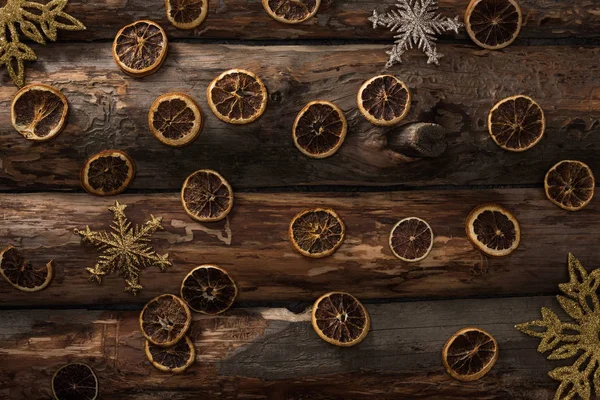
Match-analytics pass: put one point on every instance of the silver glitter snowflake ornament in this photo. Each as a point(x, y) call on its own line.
point(417, 23)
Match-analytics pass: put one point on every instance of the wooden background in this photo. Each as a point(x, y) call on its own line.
point(265, 348)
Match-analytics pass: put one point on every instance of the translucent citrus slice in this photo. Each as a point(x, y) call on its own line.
point(21, 274)
point(411, 239)
point(208, 289)
point(320, 129)
point(175, 359)
point(39, 112)
point(570, 185)
point(340, 319)
point(140, 48)
point(317, 232)
point(493, 230)
point(186, 14)
point(516, 123)
point(291, 11)
point(493, 24)
point(75, 381)
point(175, 119)
point(384, 100)
point(206, 196)
point(165, 320)
point(470, 354)
point(107, 173)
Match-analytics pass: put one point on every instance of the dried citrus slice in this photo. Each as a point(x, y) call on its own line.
point(175, 119)
point(208, 289)
point(206, 196)
point(470, 354)
point(384, 100)
point(186, 14)
point(39, 112)
point(340, 319)
point(570, 185)
point(411, 239)
point(140, 48)
point(21, 274)
point(317, 232)
point(493, 24)
point(107, 173)
point(176, 358)
point(493, 230)
point(237, 96)
point(75, 381)
point(320, 129)
point(516, 123)
point(165, 320)
point(291, 11)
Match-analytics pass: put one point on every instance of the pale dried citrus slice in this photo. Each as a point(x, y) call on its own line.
point(176, 358)
point(140, 48)
point(516, 123)
point(206, 196)
point(320, 129)
point(107, 173)
point(21, 274)
point(208, 289)
point(411, 239)
point(493, 24)
point(237, 96)
point(340, 319)
point(186, 14)
point(39, 112)
point(291, 11)
point(317, 232)
point(384, 100)
point(175, 119)
point(75, 381)
point(470, 354)
point(493, 230)
point(165, 320)
point(570, 185)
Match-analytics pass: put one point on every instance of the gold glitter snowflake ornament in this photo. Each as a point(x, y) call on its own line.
point(579, 338)
point(126, 249)
point(35, 20)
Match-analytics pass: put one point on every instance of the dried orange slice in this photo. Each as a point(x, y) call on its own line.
point(291, 11)
point(516, 123)
point(384, 100)
point(208, 289)
point(317, 232)
point(320, 129)
point(237, 96)
point(186, 14)
point(493, 230)
point(176, 358)
point(570, 185)
point(21, 274)
point(140, 48)
point(175, 119)
point(411, 239)
point(493, 24)
point(340, 319)
point(39, 112)
point(470, 354)
point(107, 173)
point(75, 381)
point(165, 320)
point(206, 196)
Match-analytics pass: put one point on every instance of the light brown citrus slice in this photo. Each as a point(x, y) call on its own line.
point(320, 129)
point(516, 123)
point(411, 239)
point(140, 48)
point(165, 320)
point(470, 354)
point(493, 24)
point(107, 173)
point(317, 232)
point(340, 319)
point(384, 100)
point(206, 196)
point(237, 96)
point(175, 359)
point(39, 112)
point(175, 119)
point(208, 289)
point(493, 230)
point(186, 14)
point(21, 274)
point(291, 11)
point(75, 381)
point(570, 185)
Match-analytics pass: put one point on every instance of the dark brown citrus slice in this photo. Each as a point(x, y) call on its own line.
point(384, 100)
point(493, 230)
point(208, 289)
point(21, 274)
point(411, 239)
point(340, 319)
point(291, 11)
point(140, 48)
point(39, 112)
point(186, 14)
point(107, 173)
point(75, 382)
point(470, 354)
point(175, 119)
point(165, 320)
point(176, 358)
point(237, 96)
point(493, 24)
point(317, 232)
point(516, 123)
point(320, 129)
point(570, 185)
point(206, 196)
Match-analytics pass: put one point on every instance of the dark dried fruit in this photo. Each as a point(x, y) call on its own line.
point(317, 233)
point(39, 112)
point(206, 196)
point(320, 129)
point(186, 14)
point(208, 289)
point(384, 100)
point(291, 11)
point(75, 382)
point(175, 119)
point(165, 320)
point(493, 230)
point(411, 239)
point(140, 48)
point(493, 24)
point(516, 123)
point(470, 354)
point(21, 274)
point(175, 359)
point(570, 185)
point(107, 173)
point(340, 319)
